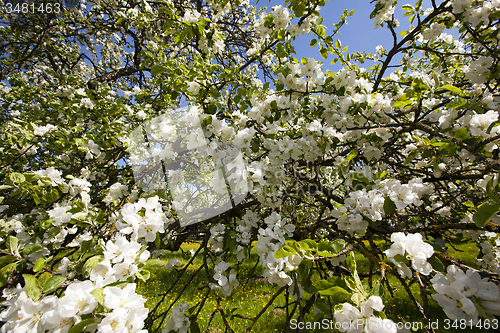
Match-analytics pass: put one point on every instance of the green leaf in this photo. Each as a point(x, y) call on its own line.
point(12, 245)
point(53, 283)
point(451, 88)
point(36, 198)
point(143, 274)
point(352, 154)
point(330, 249)
point(17, 178)
point(313, 42)
point(378, 7)
point(78, 328)
point(323, 284)
point(389, 206)
point(214, 92)
point(338, 245)
point(158, 69)
point(280, 51)
point(333, 291)
point(98, 294)
point(154, 263)
point(91, 262)
point(456, 103)
point(51, 196)
point(207, 120)
point(158, 241)
point(402, 102)
point(324, 53)
point(491, 191)
point(401, 259)
point(5, 259)
point(39, 265)
point(411, 156)
point(194, 327)
point(308, 245)
point(33, 287)
point(485, 213)
point(448, 150)
point(211, 109)
point(285, 251)
point(436, 264)
point(255, 145)
point(357, 298)
point(32, 248)
point(6, 271)
point(376, 290)
point(461, 134)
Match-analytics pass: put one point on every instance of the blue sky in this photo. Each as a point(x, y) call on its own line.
point(358, 34)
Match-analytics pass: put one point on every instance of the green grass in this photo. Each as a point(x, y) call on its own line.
point(251, 296)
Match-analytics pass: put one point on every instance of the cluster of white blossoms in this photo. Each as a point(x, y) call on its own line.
point(51, 313)
point(480, 123)
point(459, 292)
point(479, 69)
point(87, 103)
point(226, 281)
point(410, 247)
point(363, 204)
point(116, 191)
point(52, 173)
point(191, 16)
point(270, 240)
point(178, 321)
point(475, 15)
point(281, 16)
point(143, 219)
point(128, 310)
point(92, 149)
point(216, 239)
point(125, 310)
point(385, 13)
point(350, 319)
point(490, 251)
point(42, 130)
point(245, 225)
point(121, 259)
point(433, 32)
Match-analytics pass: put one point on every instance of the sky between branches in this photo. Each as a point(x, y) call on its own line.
point(358, 33)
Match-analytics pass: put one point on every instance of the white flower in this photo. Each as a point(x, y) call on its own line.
point(416, 250)
point(115, 297)
point(77, 299)
point(178, 321)
point(351, 320)
point(191, 16)
point(479, 123)
point(346, 317)
point(373, 303)
point(42, 130)
point(193, 87)
point(32, 316)
point(60, 214)
point(86, 102)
